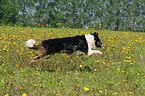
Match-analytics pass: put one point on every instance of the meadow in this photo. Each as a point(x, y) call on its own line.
point(120, 71)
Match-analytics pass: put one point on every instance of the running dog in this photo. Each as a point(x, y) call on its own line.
point(80, 44)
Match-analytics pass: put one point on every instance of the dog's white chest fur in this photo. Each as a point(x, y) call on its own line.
point(91, 44)
point(90, 40)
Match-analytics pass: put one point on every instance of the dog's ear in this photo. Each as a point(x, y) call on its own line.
point(96, 34)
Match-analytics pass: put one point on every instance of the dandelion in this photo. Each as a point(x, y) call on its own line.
point(95, 70)
point(81, 66)
point(100, 91)
point(24, 94)
point(20, 78)
point(116, 93)
point(103, 62)
point(7, 95)
point(37, 74)
point(78, 84)
point(86, 89)
point(138, 74)
point(25, 81)
point(130, 92)
point(17, 65)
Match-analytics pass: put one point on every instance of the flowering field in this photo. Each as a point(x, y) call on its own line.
point(119, 71)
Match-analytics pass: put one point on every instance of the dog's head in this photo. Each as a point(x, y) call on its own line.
point(97, 40)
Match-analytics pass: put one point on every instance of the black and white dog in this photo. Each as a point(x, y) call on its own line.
point(81, 44)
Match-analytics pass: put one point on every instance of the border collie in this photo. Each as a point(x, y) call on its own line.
point(80, 44)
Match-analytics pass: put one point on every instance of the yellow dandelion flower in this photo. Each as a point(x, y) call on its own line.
point(38, 74)
point(7, 95)
point(20, 78)
point(81, 66)
point(95, 70)
point(24, 94)
point(130, 92)
point(86, 89)
point(131, 63)
point(116, 93)
point(122, 71)
point(78, 84)
point(100, 91)
point(138, 74)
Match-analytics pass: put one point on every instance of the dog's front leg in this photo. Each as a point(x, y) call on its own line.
point(94, 52)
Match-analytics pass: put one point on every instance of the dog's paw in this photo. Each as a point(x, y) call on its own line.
point(101, 53)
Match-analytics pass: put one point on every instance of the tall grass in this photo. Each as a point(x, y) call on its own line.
point(119, 71)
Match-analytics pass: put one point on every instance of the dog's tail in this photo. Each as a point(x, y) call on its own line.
point(31, 44)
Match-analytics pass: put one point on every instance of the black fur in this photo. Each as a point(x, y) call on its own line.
point(68, 45)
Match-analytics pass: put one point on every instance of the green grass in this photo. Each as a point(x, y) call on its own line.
point(119, 71)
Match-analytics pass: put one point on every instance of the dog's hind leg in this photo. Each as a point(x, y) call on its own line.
point(42, 53)
point(32, 59)
point(40, 58)
point(37, 58)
